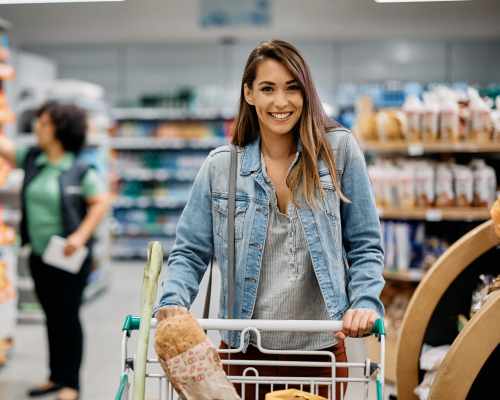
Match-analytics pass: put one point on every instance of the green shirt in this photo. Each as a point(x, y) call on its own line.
point(43, 198)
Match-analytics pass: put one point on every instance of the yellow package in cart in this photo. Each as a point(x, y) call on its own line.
point(292, 394)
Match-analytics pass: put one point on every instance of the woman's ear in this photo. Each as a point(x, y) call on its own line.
point(248, 94)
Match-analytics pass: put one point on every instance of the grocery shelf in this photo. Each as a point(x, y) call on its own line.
point(139, 230)
point(154, 143)
point(156, 113)
point(147, 174)
point(413, 275)
point(29, 139)
point(148, 202)
point(436, 214)
point(418, 149)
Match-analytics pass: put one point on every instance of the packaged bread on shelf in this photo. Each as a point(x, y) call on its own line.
point(464, 185)
point(430, 118)
point(365, 126)
point(413, 110)
point(189, 359)
point(449, 122)
point(485, 183)
point(444, 186)
point(481, 122)
point(292, 394)
point(425, 185)
point(391, 123)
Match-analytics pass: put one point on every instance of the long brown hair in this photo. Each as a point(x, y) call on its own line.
point(311, 128)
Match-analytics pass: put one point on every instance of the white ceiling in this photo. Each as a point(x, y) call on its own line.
point(174, 20)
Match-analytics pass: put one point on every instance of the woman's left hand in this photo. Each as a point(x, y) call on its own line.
point(358, 322)
point(74, 242)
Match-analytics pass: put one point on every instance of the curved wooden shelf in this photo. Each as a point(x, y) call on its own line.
point(418, 149)
point(436, 214)
point(480, 337)
point(426, 297)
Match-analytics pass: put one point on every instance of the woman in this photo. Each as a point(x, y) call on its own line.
point(60, 196)
point(307, 233)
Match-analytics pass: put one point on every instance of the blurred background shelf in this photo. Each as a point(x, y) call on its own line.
point(436, 214)
point(417, 149)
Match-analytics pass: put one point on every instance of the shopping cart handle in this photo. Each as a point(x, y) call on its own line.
point(378, 328)
point(131, 323)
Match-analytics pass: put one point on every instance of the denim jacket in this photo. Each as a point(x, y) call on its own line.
point(343, 239)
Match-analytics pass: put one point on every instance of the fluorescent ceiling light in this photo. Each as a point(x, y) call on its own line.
point(52, 1)
point(414, 1)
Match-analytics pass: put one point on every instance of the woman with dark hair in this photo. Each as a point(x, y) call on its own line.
point(61, 196)
point(307, 234)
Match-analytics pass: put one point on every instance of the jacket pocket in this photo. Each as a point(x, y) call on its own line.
point(220, 216)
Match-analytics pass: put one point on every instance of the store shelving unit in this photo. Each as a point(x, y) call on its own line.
point(156, 171)
point(8, 247)
point(459, 257)
point(406, 280)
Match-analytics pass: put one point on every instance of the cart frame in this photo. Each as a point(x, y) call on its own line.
point(371, 371)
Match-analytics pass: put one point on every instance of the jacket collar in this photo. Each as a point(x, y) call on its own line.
point(251, 159)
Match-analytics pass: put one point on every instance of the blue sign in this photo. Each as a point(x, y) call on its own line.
point(224, 13)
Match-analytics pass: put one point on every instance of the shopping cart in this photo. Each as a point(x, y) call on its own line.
point(135, 371)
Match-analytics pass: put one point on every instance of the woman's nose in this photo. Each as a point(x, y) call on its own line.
point(280, 100)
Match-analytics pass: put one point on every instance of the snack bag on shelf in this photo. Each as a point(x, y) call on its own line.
point(444, 186)
point(375, 172)
point(425, 185)
point(390, 125)
point(189, 359)
point(365, 125)
point(413, 109)
point(292, 394)
point(430, 118)
point(485, 184)
point(481, 122)
point(405, 183)
point(449, 126)
point(464, 185)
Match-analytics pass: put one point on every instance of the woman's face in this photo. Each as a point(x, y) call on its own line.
point(44, 130)
point(277, 98)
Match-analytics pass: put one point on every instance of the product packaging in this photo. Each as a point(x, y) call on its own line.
point(390, 125)
point(449, 123)
point(430, 118)
point(481, 122)
point(189, 359)
point(464, 186)
point(424, 185)
point(484, 184)
point(444, 186)
point(413, 110)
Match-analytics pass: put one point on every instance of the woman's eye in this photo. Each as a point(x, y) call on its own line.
point(267, 89)
point(294, 87)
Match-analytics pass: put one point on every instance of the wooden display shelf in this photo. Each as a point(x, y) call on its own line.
point(418, 149)
point(436, 214)
point(414, 275)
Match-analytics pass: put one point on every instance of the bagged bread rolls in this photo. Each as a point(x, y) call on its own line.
point(189, 359)
point(292, 394)
point(495, 215)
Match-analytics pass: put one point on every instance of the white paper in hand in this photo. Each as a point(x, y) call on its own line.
point(54, 256)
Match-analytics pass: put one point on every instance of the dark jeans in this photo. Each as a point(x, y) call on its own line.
point(60, 295)
point(253, 353)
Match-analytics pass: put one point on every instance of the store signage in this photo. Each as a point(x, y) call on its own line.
point(224, 13)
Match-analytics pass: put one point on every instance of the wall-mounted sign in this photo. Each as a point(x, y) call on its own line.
point(223, 13)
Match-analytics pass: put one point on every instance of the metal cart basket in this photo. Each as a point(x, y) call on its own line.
point(370, 371)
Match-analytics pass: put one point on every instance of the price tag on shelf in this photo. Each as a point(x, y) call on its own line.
point(433, 215)
point(415, 149)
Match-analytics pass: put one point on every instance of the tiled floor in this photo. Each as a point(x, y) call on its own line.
point(102, 321)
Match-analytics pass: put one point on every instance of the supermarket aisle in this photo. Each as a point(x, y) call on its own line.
point(102, 321)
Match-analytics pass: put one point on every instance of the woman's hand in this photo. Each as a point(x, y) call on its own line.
point(358, 322)
point(74, 242)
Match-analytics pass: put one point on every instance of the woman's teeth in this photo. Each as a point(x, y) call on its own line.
point(281, 116)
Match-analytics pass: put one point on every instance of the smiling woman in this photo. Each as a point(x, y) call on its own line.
point(307, 236)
